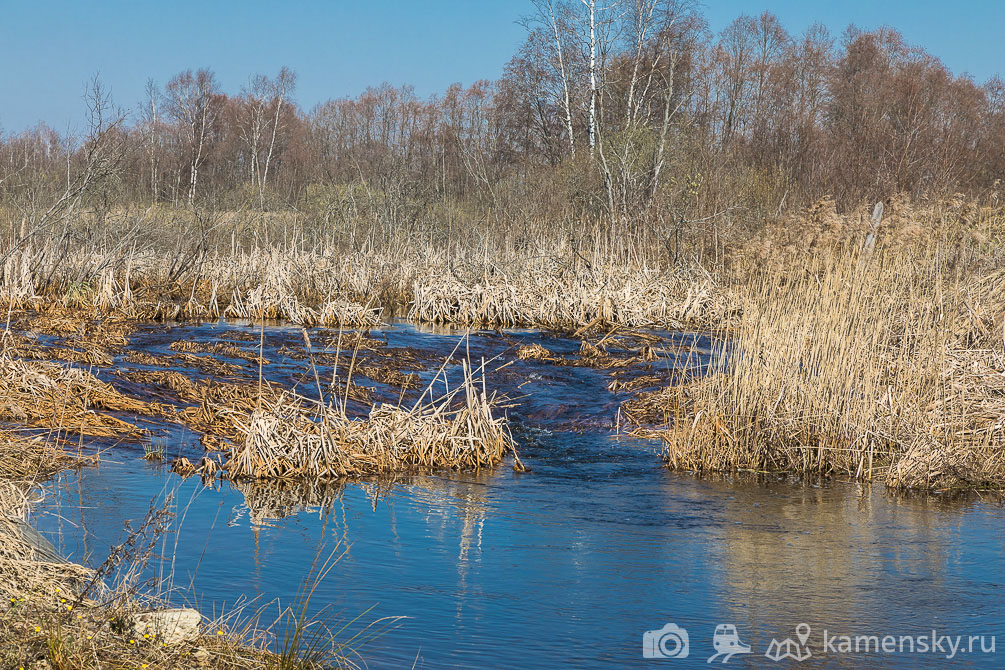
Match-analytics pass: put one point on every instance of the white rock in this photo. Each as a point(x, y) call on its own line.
point(169, 626)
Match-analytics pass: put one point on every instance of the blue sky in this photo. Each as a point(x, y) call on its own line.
point(49, 48)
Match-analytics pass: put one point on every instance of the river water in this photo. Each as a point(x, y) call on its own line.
point(571, 564)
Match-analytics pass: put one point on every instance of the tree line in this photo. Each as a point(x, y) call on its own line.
point(626, 109)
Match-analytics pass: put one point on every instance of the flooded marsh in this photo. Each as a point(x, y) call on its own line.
point(569, 562)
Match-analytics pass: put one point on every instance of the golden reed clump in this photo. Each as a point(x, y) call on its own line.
point(288, 437)
point(876, 353)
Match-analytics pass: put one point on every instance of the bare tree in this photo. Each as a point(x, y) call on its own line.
point(193, 101)
point(150, 124)
point(94, 160)
point(261, 121)
point(555, 21)
point(591, 13)
point(281, 87)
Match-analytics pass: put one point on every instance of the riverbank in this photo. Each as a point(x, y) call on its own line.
point(56, 614)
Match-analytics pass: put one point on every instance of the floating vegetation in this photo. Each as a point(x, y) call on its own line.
point(534, 352)
point(185, 360)
point(219, 349)
point(41, 394)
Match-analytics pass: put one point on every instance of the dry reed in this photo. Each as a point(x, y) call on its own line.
point(42, 394)
point(291, 438)
point(875, 357)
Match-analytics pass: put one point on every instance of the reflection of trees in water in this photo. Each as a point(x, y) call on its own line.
point(464, 500)
point(792, 554)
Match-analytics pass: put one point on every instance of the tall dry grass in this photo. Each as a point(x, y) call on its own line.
point(873, 351)
point(177, 264)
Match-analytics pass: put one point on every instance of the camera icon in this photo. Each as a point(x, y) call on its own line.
point(671, 641)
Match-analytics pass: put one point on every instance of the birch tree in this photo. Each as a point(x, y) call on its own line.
point(281, 87)
point(555, 21)
point(591, 13)
point(193, 101)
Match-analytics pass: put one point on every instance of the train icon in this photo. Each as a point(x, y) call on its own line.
point(726, 643)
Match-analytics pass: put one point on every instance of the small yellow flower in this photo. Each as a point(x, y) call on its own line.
point(146, 634)
point(89, 637)
point(132, 641)
point(219, 632)
point(38, 629)
point(69, 607)
point(62, 600)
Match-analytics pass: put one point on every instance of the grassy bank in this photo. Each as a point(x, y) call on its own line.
point(60, 615)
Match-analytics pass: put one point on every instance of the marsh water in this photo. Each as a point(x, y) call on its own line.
point(568, 565)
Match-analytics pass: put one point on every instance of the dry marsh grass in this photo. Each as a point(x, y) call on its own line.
point(291, 438)
point(878, 357)
point(164, 264)
point(64, 399)
point(26, 565)
point(546, 294)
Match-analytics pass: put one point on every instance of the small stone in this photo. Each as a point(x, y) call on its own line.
point(171, 626)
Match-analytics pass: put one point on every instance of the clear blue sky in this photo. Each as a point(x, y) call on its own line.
point(49, 48)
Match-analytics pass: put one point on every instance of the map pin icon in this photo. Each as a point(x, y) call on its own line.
point(803, 632)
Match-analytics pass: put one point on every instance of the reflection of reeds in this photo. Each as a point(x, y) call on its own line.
point(268, 500)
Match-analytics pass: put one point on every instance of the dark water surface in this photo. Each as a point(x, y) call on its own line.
point(568, 565)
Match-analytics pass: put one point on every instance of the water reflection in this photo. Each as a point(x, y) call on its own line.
point(851, 559)
point(501, 570)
